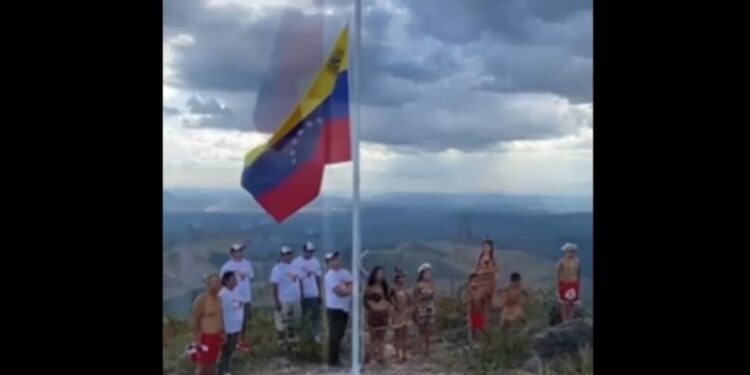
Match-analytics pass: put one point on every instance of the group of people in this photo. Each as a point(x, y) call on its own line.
point(221, 314)
point(482, 290)
point(395, 308)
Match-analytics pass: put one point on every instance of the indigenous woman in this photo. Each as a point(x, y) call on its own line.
point(424, 301)
point(486, 269)
point(378, 309)
point(402, 310)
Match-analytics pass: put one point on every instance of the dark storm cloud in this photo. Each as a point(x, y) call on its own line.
point(557, 10)
point(471, 121)
point(376, 21)
point(207, 107)
point(520, 46)
point(169, 111)
point(463, 22)
point(232, 112)
point(229, 51)
point(232, 48)
point(437, 65)
point(538, 69)
point(524, 45)
point(223, 120)
point(510, 20)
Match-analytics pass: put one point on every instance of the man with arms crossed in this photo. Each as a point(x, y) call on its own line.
point(310, 271)
point(232, 306)
point(243, 270)
point(285, 279)
point(338, 288)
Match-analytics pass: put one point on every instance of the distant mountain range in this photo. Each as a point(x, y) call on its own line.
point(219, 200)
point(199, 225)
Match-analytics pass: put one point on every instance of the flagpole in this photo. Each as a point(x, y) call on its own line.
point(356, 245)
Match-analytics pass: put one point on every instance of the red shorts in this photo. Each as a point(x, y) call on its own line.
point(213, 342)
point(478, 322)
point(569, 292)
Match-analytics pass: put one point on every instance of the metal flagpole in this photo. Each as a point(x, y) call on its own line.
point(356, 245)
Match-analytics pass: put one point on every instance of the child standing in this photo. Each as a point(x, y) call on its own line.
point(512, 298)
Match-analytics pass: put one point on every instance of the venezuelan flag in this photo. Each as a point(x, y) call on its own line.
point(286, 173)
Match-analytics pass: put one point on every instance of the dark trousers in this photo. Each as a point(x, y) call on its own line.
point(311, 313)
point(336, 328)
point(226, 352)
point(245, 318)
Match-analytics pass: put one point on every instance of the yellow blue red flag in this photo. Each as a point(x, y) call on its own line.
point(286, 173)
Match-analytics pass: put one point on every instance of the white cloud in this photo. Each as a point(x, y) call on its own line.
point(213, 158)
point(467, 140)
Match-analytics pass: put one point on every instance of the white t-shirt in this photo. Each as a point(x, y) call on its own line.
point(244, 272)
point(231, 304)
point(287, 276)
point(309, 269)
point(332, 280)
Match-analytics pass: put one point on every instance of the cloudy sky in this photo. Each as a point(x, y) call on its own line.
point(458, 96)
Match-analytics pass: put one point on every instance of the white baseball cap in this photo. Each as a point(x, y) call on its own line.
point(308, 246)
point(332, 255)
point(286, 250)
point(236, 247)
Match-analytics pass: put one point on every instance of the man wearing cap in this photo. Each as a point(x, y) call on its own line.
point(285, 280)
point(243, 270)
point(310, 270)
point(569, 281)
point(338, 289)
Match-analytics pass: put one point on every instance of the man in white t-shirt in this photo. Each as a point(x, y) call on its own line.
point(243, 271)
point(285, 280)
point(338, 289)
point(232, 304)
point(310, 270)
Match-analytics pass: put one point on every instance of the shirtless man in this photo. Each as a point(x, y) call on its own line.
point(513, 297)
point(569, 282)
point(208, 327)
